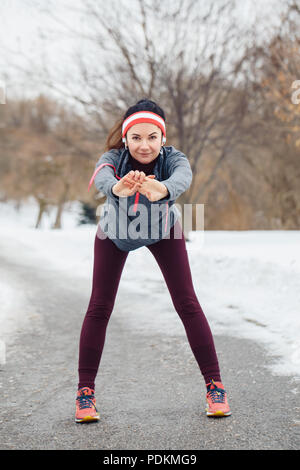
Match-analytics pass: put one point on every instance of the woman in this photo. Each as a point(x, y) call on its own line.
point(139, 174)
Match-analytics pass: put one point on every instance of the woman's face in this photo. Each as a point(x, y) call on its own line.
point(144, 141)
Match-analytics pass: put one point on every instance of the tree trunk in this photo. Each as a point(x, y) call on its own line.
point(42, 207)
point(63, 199)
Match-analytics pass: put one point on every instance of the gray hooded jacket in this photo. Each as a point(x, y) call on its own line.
point(119, 220)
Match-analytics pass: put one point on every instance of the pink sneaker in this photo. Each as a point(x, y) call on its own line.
point(86, 410)
point(216, 399)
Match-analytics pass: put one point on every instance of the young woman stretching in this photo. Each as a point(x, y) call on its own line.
point(138, 173)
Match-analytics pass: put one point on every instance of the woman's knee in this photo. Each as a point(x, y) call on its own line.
point(100, 309)
point(188, 306)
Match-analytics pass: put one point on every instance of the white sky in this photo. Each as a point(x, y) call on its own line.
point(22, 21)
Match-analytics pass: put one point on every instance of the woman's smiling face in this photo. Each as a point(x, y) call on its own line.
point(144, 141)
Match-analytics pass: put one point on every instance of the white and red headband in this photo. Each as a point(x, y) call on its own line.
point(144, 116)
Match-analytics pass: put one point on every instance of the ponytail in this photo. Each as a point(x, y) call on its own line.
point(114, 138)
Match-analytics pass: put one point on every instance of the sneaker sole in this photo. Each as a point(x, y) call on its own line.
point(217, 414)
point(87, 419)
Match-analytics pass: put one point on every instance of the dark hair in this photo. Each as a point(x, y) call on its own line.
point(114, 138)
point(145, 105)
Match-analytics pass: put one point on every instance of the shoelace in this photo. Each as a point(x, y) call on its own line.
point(217, 395)
point(85, 401)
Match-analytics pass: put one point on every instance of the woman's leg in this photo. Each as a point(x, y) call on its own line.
point(172, 258)
point(109, 261)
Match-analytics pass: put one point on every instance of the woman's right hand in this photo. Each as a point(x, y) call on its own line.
point(130, 183)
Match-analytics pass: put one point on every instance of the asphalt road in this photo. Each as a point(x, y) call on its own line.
point(149, 390)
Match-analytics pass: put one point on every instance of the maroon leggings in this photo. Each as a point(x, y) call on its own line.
point(172, 258)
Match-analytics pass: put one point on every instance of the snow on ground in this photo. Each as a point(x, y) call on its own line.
point(247, 282)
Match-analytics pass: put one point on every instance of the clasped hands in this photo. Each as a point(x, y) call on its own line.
point(137, 181)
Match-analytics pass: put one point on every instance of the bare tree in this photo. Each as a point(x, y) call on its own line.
point(190, 56)
point(44, 153)
point(279, 70)
point(187, 55)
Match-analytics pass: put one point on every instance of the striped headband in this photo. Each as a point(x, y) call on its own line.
point(144, 116)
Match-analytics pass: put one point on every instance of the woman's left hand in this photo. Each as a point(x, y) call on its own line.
point(154, 190)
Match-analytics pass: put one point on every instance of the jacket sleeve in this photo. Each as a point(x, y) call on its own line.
point(180, 176)
point(105, 178)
